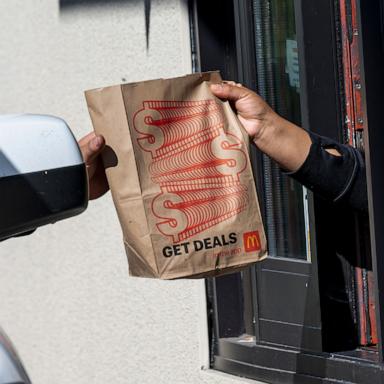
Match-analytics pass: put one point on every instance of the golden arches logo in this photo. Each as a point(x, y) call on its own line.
point(252, 241)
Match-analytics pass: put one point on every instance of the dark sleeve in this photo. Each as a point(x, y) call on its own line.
point(340, 179)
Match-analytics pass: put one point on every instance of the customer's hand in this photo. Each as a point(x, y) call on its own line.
point(283, 141)
point(91, 147)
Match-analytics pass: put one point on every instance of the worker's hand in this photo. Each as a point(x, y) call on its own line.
point(281, 140)
point(253, 112)
point(91, 147)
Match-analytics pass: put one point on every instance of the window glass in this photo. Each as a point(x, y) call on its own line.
point(278, 82)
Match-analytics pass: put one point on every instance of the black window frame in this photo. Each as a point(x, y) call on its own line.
point(220, 32)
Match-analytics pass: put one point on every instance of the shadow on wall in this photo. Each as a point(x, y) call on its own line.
point(72, 4)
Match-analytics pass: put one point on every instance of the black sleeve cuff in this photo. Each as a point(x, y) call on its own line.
point(340, 179)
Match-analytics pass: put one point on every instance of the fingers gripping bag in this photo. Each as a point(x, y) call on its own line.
point(177, 163)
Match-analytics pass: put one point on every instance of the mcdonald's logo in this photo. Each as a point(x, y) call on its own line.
point(251, 241)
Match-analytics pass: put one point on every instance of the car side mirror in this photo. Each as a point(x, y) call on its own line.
point(11, 367)
point(43, 177)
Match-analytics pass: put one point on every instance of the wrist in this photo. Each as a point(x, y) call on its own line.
point(269, 129)
point(283, 141)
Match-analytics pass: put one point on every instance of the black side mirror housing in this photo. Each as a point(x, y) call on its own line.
point(43, 177)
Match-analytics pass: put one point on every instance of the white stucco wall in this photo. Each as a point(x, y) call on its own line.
point(65, 297)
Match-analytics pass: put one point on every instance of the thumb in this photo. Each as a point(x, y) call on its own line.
point(91, 146)
point(230, 92)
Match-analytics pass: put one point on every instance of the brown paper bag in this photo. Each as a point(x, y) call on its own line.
point(178, 167)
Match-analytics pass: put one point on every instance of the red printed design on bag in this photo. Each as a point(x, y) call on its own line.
point(196, 164)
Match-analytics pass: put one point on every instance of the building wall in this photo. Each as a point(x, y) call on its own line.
point(65, 296)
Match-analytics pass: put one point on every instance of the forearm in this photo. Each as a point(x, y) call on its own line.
point(330, 169)
point(284, 142)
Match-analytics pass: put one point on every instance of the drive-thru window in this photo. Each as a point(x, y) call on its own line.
point(313, 311)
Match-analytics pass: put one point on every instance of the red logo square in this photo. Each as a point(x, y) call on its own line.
point(252, 241)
